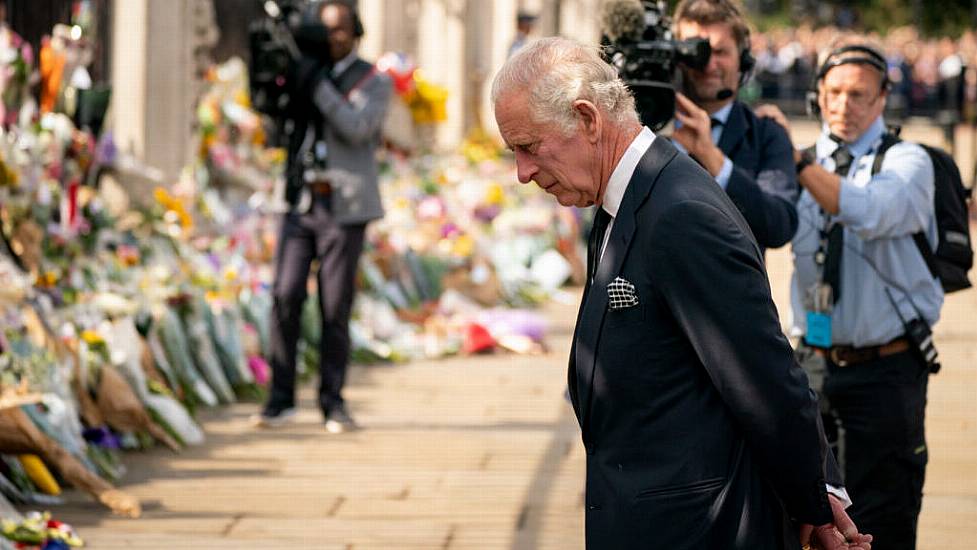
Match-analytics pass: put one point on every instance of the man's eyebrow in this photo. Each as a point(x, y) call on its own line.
point(520, 143)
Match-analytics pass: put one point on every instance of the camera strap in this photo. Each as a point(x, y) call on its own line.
point(920, 336)
point(354, 77)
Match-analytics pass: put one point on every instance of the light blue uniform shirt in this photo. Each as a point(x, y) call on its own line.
point(880, 214)
point(721, 115)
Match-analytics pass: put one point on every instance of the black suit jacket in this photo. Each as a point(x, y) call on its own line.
point(699, 426)
point(763, 185)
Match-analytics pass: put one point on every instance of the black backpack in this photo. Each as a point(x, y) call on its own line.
point(954, 255)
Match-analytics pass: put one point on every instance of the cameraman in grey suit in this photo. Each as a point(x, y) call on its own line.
point(332, 192)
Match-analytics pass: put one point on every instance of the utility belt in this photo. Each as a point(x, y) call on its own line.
point(819, 302)
point(317, 181)
point(321, 188)
point(311, 188)
point(846, 356)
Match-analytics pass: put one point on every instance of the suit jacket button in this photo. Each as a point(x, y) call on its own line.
point(590, 448)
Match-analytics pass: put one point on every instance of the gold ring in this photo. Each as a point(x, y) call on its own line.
point(806, 547)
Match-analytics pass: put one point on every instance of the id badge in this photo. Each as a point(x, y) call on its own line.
point(818, 329)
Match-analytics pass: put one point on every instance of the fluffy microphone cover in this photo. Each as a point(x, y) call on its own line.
point(622, 19)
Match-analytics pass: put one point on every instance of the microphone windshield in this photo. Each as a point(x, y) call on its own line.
point(724, 94)
point(622, 20)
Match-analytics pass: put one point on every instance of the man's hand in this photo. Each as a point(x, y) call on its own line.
point(840, 535)
point(773, 112)
point(696, 134)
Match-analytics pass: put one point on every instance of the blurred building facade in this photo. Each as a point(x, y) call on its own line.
point(159, 49)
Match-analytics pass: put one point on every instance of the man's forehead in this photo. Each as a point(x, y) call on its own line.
point(852, 73)
point(714, 31)
point(337, 15)
point(512, 114)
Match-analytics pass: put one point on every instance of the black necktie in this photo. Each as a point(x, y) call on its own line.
point(843, 158)
point(836, 235)
point(713, 122)
point(601, 220)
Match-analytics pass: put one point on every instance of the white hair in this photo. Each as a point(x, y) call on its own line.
point(554, 72)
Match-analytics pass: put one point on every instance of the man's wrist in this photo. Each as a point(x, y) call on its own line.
point(802, 159)
point(713, 160)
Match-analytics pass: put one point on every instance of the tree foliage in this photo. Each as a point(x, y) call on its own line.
point(932, 17)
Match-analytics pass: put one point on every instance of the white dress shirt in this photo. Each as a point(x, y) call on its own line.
point(621, 176)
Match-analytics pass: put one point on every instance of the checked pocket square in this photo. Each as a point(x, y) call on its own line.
point(621, 294)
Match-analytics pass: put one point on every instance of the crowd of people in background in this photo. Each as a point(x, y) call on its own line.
point(931, 77)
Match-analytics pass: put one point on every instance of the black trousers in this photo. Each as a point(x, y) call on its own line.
point(876, 415)
point(304, 237)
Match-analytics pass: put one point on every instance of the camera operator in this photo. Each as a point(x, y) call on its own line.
point(337, 111)
point(750, 157)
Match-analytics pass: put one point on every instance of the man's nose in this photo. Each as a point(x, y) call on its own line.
point(525, 170)
point(846, 101)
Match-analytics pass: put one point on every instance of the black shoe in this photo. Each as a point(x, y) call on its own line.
point(338, 420)
point(273, 416)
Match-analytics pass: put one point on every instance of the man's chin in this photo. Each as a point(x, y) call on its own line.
point(847, 133)
point(703, 94)
point(565, 200)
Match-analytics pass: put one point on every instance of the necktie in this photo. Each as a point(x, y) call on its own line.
point(843, 158)
point(836, 235)
point(601, 220)
point(713, 122)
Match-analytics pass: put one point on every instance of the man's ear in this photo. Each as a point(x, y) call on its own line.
point(591, 121)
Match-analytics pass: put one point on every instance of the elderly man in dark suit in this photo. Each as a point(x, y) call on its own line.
point(751, 158)
point(699, 427)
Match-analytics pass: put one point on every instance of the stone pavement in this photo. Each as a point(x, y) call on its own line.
point(477, 452)
point(464, 453)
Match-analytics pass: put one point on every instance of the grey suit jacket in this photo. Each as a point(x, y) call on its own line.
point(353, 133)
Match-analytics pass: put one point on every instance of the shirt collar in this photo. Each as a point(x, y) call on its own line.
point(859, 147)
point(722, 115)
point(340, 66)
point(621, 176)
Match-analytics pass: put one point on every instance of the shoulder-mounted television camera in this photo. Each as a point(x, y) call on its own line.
point(637, 40)
point(288, 45)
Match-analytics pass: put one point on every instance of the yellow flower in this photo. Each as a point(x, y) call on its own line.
point(47, 279)
point(91, 337)
point(494, 194)
point(464, 246)
point(174, 205)
point(428, 102)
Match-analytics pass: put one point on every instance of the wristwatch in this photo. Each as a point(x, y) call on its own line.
point(807, 159)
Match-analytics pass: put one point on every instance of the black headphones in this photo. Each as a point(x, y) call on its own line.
point(747, 61)
point(869, 56)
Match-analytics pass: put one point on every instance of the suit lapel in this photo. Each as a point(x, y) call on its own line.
point(733, 131)
point(594, 306)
